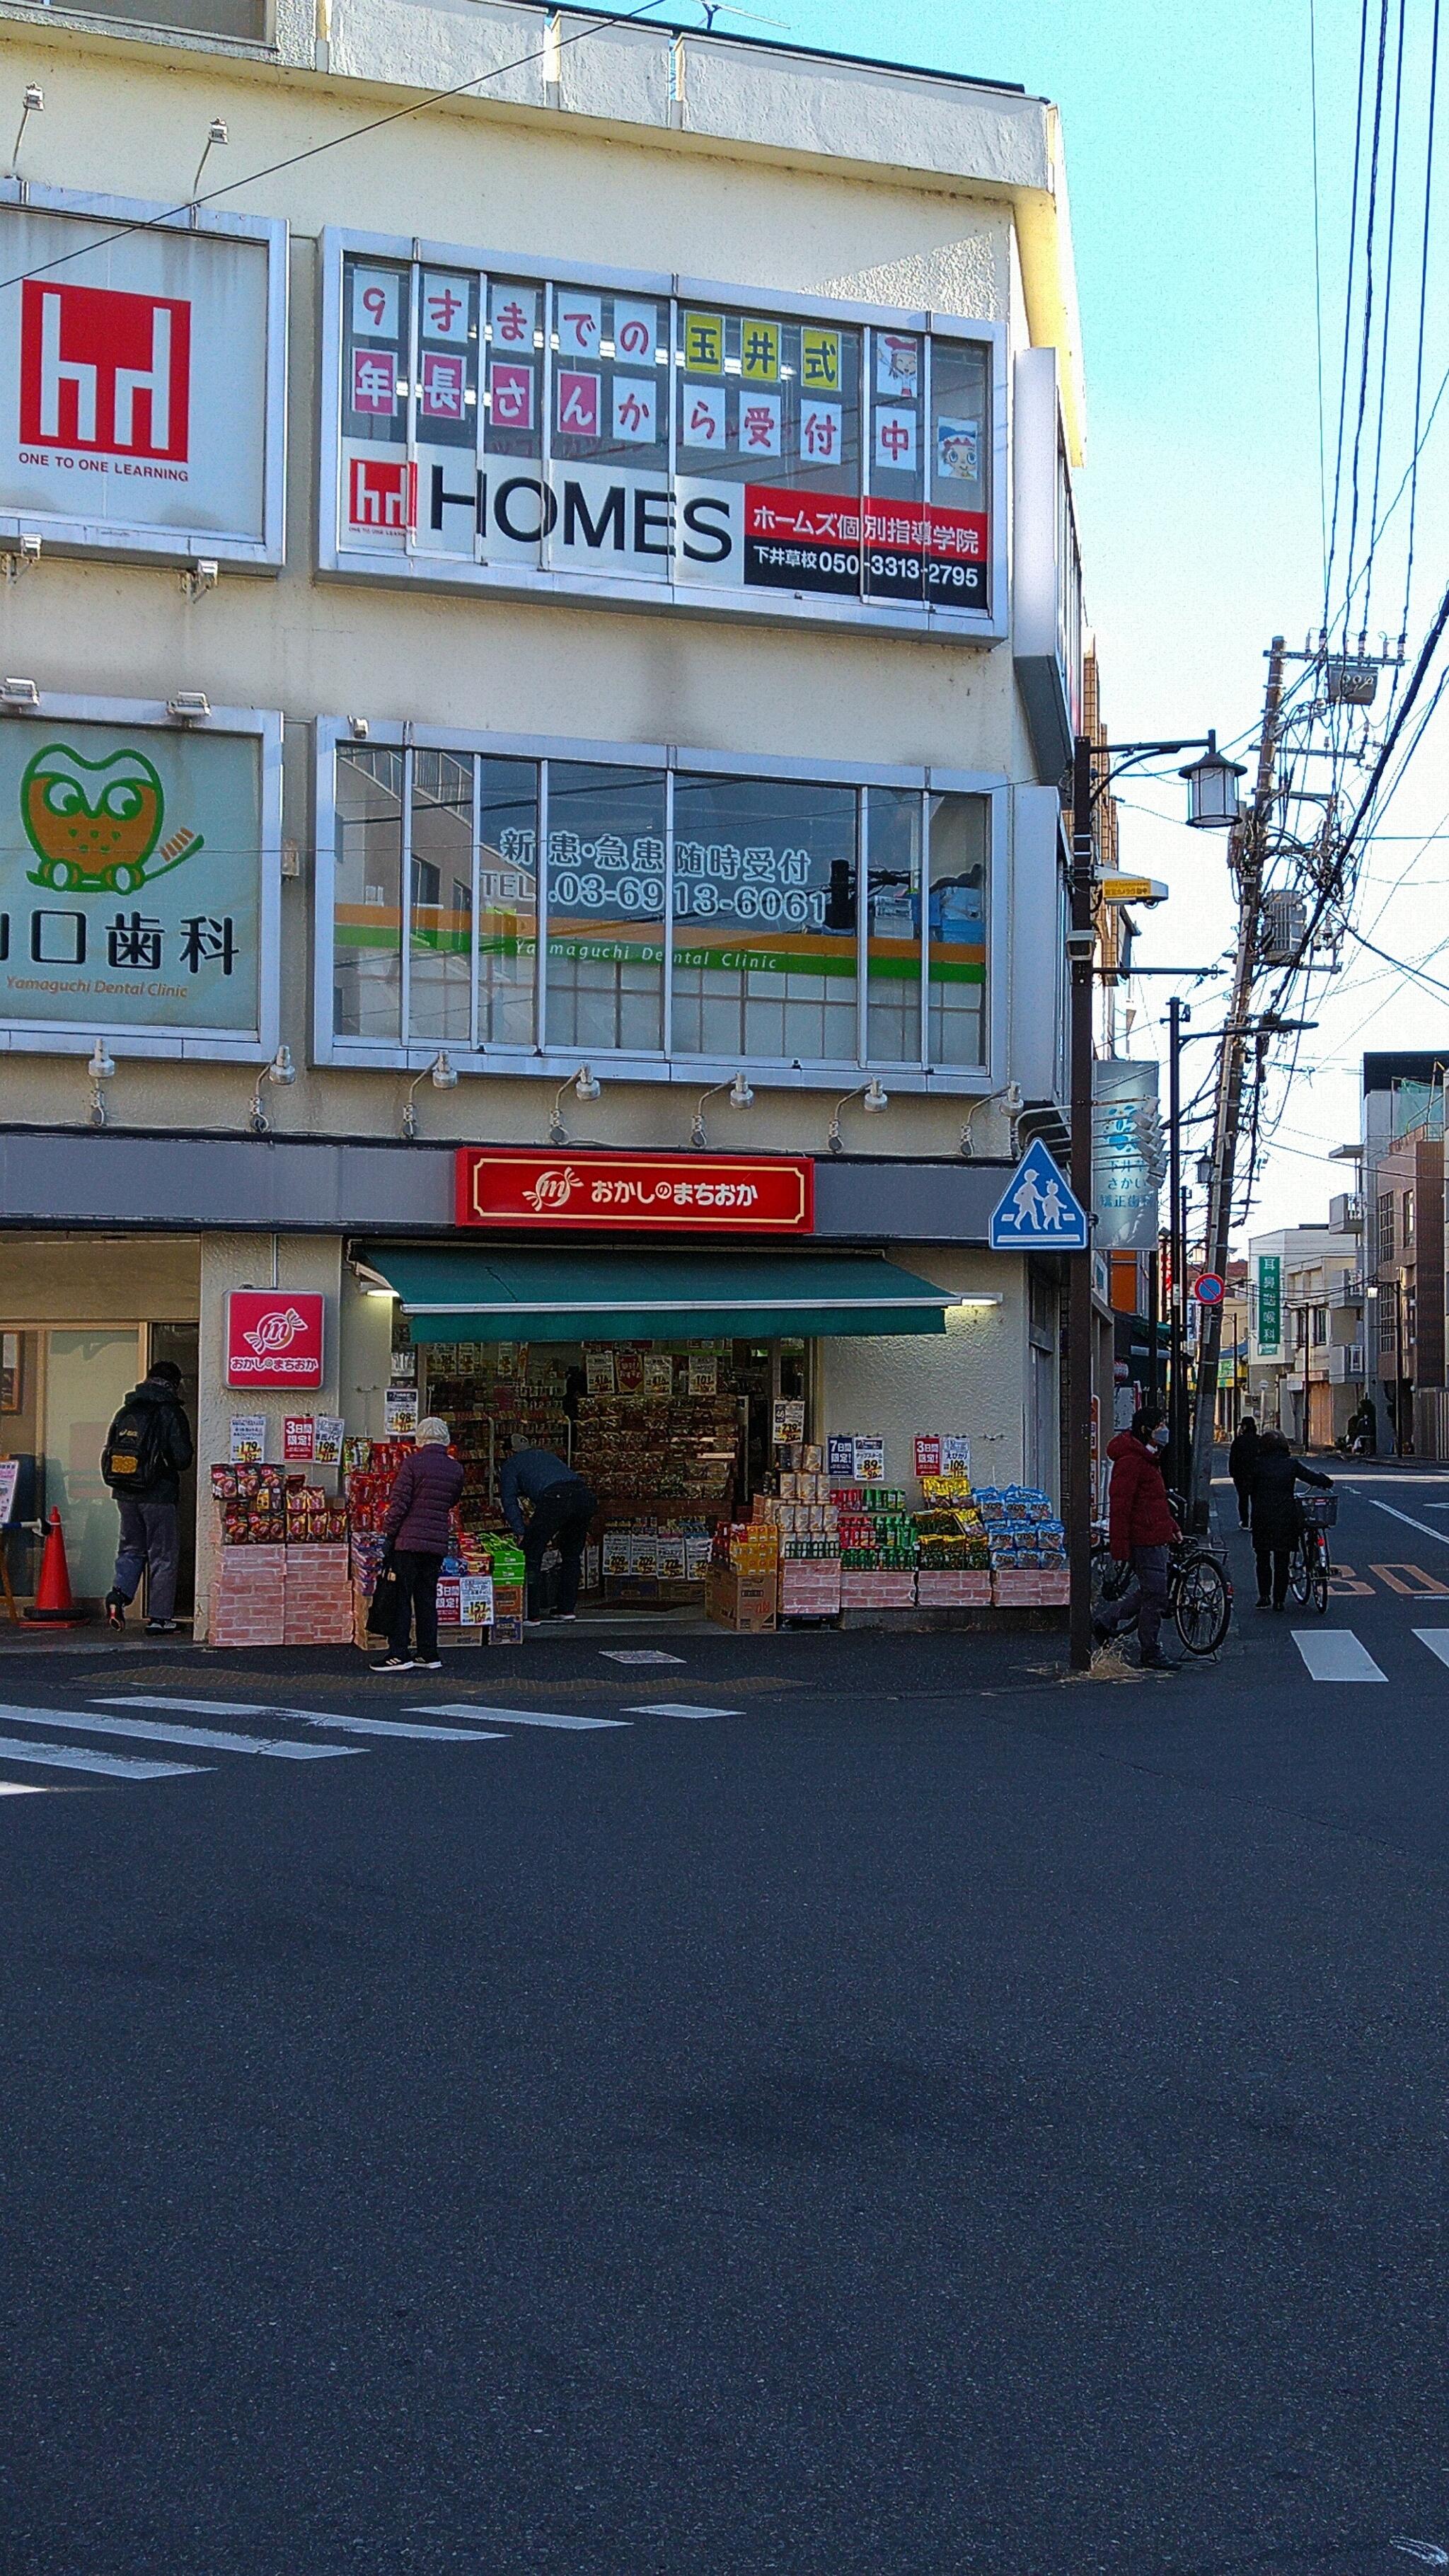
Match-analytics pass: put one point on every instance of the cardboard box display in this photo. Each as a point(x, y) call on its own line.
point(736, 1600)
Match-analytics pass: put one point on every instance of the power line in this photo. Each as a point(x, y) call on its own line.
point(354, 134)
point(1423, 310)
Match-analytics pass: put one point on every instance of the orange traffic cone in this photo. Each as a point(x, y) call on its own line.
point(53, 1605)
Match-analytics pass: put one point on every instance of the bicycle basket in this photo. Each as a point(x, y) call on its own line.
point(1320, 1511)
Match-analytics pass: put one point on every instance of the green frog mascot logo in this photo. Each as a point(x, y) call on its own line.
point(95, 825)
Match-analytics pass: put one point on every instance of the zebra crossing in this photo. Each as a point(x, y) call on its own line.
point(168, 1724)
point(1340, 1655)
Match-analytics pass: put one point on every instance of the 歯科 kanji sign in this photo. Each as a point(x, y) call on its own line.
point(632, 1193)
point(141, 368)
point(274, 1337)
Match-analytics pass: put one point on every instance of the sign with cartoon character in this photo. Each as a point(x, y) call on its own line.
point(138, 868)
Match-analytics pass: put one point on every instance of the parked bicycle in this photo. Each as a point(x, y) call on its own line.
point(1199, 1589)
point(1310, 1568)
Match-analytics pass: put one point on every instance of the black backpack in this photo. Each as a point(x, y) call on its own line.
point(135, 1453)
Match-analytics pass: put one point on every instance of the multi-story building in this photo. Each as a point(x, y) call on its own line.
point(1305, 1294)
point(543, 622)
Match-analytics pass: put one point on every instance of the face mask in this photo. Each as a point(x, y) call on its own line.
point(1159, 1437)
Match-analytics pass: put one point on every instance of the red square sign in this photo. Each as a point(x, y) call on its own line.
point(105, 371)
point(274, 1337)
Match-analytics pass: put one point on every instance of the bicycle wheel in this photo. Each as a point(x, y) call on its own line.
point(1109, 1580)
point(1321, 1572)
point(1202, 1605)
point(1300, 1575)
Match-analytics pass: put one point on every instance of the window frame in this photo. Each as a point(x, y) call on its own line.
point(700, 599)
point(553, 1063)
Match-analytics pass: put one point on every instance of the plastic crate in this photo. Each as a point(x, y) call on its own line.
point(1320, 1511)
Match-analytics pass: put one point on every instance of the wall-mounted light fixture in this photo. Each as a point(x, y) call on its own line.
point(872, 1097)
point(586, 1087)
point(19, 697)
point(443, 1074)
point(282, 1071)
point(32, 104)
point(1011, 1101)
point(102, 1069)
point(189, 706)
point(741, 1097)
point(216, 134)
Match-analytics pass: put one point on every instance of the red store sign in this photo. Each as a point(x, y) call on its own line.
point(637, 1193)
point(274, 1337)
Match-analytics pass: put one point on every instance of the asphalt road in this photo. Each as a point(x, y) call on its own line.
point(935, 2117)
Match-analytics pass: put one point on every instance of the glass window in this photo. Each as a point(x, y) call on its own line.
point(610, 380)
point(764, 920)
point(606, 831)
point(507, 901)
point(956, 565)
point(367, 902)
point(377, 337)
point(440, 927)
point(893, 926)
point(894, 553)
point(957, 966)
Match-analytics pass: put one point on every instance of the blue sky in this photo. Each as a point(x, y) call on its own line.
point(1189, 140)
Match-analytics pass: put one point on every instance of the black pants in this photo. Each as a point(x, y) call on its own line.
point(1273, 1560)
point(417, 1595)
point(1243, 1492)
point(562, 1514)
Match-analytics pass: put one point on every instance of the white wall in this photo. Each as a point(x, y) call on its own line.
point(972, 1378)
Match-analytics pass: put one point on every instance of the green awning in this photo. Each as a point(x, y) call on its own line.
point(463, 1294)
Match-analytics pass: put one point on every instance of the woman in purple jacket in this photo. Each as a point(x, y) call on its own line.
point(425, 1488)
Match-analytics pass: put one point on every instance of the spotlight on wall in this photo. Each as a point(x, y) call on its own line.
point(873, 1097)
point(586, 1087)
point(189, 706)
point(283, 1072)
point(443, 1074)
point(102, 1068)
point(1010, 1100)
point(740, 1097)
point(216, 134)
point(32, 104)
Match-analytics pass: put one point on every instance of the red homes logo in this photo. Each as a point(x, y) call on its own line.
point(105, 373)
point(382, 492)
point(274, 1337)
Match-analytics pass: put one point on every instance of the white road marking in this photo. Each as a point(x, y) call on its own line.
point(1336, 1655)
point(1437, 1641)
point(205, 1737)
point(24, 1788)
point(69, 1757)
point(1407, 1518)
point(679, 1708)
point(514, 1716)
point(315, 1717)
point(638, 1655)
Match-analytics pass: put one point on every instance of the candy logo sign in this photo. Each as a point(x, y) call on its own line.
point(94, 825)
point(274, 1338)
point(552, 1190)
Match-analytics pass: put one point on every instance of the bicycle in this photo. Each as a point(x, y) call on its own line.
point(1199, 1590)
point(1310, 1568)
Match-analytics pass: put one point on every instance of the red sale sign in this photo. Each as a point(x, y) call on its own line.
point(105, 372)
point(629, 1193)
point(274, 1337)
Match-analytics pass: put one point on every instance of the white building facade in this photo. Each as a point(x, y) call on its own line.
point(569, 583)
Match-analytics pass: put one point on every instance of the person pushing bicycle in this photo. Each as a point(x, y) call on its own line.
point(1142, 1532)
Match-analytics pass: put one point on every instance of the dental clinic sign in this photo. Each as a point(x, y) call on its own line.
point(627, 436)
point(141, 367)
point(274, 1337)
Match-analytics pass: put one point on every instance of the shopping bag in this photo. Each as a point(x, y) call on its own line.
point(382, 1608)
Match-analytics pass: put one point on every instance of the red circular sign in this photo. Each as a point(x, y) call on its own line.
point(1208, 1289)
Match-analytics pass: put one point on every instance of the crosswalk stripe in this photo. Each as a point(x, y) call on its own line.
point(71, 1757)
point(1336, 1655)
point(680, 1708)
point(1437, 1641)
point(317, 1717)
point(207, 1738)
point(1407, 1518)
point(515, 1716)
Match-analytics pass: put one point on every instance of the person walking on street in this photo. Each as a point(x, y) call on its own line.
point(1141, 1531)
point(1242, 1458)
point(424, 1490)
point(1278, 1514)
point(562, 1508)
point(148, 1448)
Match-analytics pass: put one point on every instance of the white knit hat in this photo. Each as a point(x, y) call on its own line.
point(430, 1429)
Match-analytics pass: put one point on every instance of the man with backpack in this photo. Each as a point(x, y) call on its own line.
point(147, 1449)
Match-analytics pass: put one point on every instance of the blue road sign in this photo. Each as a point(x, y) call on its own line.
point(1037, 1212)
point(1207, 1288)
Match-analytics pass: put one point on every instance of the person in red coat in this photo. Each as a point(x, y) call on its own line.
point(1141, 1532)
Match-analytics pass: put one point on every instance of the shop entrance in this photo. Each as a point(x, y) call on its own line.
point(60, 1387)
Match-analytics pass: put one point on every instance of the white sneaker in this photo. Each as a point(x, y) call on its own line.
point(564, 1618)
point(395, 1664)
point(430, 1663)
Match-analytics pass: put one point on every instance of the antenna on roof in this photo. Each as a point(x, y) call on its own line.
point(712, 9)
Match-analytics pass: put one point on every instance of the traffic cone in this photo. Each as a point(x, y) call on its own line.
point(53, 1606)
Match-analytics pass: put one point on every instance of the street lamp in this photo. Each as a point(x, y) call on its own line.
point(1208, 804)
point(1212, 789)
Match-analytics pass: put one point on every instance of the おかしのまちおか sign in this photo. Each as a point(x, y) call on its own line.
point(274, 1337)
point(139, 867)
point(629, 1193)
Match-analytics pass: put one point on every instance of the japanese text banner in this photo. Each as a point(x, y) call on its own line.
point(680, 1193)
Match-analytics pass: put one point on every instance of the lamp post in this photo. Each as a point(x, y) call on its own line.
point(1208, 800)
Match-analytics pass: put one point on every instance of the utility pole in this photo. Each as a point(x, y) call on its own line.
point(1176, 1413)
point(1246, 855)
point(1078, 1461)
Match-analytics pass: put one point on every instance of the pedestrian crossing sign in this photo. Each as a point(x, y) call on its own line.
point(1037, 1211)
